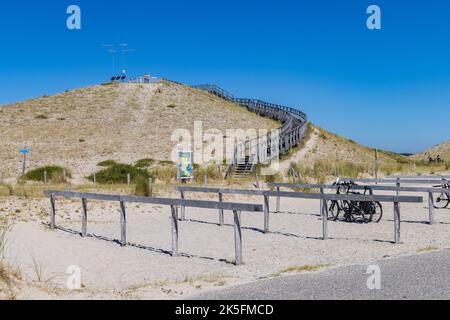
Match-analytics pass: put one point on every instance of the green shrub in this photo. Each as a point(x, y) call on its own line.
point(144, 163)
point(118, 174)
point(54, 174)
point(107, 163)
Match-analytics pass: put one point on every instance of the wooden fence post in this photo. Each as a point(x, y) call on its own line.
point(45, 177)
point(238, 237)
point(150, 187)
point(84, 221)
point(183, 208)
point(266, 214)
point(324, 214)
point(128, 179)
point(52, 212)
point(278, 201)
point(95, 178)
point(397, 222)
point(431, 207)
point(206, 181)
point(123, 225)
point(221, 213)
point(174, 231)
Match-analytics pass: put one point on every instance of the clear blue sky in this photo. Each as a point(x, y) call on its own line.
point(388, 89)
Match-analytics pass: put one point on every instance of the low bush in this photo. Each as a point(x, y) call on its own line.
point(144, 163)
point(54, 174)
point(118, 174)
point(107, 163)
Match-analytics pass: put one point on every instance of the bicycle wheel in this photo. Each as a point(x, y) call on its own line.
point(347, 208)
point(334, 210)
point(365, 213)
point(377, 212)
point(441, 200)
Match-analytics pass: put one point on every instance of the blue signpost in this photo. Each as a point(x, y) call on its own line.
point(24, 151)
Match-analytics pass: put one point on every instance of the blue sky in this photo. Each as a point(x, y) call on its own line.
point(388, 89)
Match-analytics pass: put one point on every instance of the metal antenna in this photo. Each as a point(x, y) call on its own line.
point(123, 50)
point(112, 50)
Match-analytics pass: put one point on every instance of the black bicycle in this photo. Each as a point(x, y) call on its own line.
point(354, 211)
point(442, 200)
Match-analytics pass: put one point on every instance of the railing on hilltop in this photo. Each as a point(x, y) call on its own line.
point(291, 133)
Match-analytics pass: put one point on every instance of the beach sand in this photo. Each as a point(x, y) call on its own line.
point(146, 270)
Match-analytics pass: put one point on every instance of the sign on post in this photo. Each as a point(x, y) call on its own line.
point(24, 151)
point(185, 164)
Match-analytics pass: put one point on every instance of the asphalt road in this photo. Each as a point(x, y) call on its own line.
point(425, 276)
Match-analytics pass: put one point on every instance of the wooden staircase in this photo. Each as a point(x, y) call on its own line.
point(244, 167)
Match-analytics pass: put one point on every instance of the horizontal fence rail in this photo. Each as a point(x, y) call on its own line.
point(323, 197)
point(420, 177)
point(396, 181)
point(237, 208)
point(371, 189)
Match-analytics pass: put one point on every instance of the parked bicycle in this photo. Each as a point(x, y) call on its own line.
point(442, 200)
point(354, 211)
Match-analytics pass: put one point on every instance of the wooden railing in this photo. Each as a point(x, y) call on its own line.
point(323, 197)
point(370, 188)
point(237, 208)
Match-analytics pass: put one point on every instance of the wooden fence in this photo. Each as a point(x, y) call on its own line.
point(371, 189)
point(396, 200)
point(237, 208)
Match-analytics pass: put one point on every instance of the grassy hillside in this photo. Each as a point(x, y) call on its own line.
point(326, 154)
point(124, 122)
point(442, 150)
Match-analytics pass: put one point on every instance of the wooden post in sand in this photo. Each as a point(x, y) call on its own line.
point(221, 212)
point(84, 218)
point(123, 225)
point(237, 237)
point(183, 208)
point(52, 212)
point(266, 214)
point(397, 222)
point(278, 201)
point(174, 231)
point(324, 214)
point(431, 207)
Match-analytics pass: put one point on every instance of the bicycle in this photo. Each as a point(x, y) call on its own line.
point(355, 211)
point(442, 200)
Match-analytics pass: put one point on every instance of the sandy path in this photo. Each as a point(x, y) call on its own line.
point(301, 154)
point(149, 272)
